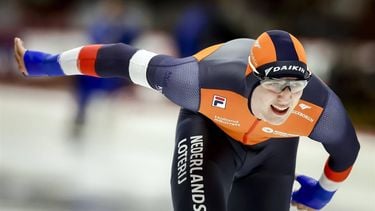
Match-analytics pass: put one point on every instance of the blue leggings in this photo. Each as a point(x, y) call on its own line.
point(213, 172)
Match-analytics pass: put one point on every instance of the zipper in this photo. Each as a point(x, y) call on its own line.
point(250, 130)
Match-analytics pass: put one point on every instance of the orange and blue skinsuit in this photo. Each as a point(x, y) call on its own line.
point(225, 158)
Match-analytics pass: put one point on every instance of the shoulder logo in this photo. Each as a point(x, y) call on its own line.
point(304, 106)
point(219, 101)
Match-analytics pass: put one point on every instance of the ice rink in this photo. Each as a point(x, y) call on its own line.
point(122, 161)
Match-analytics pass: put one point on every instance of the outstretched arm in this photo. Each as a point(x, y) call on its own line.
point(336, 132)
point(176, 78)
point(110, 60)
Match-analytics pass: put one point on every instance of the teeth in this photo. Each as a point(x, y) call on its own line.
point(280, 108)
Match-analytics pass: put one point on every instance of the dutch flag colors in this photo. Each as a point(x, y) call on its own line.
point(87, 60)
point(331, 180)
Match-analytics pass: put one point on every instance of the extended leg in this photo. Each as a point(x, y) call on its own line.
point(267, 177)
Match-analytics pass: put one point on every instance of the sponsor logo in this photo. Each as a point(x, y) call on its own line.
point(266, 71)
point(285, 67)
point(278, 133)
point(307, 117)
point(182, 150)
point(196, 173)
point(267, 130)
point(225, 121)
point(190, 169)
point(304, 106)
point(219, 101)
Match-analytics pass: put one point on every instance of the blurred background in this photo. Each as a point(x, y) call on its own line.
point(87, 144)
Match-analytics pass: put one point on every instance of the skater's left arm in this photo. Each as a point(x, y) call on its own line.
point(336, 132)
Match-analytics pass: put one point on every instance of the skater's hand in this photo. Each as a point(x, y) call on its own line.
point(311, 196)
point(19, 52)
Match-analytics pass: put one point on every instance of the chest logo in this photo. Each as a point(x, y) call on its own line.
point(278, 133)
point(304, 106)
point(219, 101)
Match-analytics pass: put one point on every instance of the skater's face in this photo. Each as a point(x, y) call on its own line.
point(272, 105)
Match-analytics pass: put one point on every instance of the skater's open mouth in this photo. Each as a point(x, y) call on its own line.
point(279, 110)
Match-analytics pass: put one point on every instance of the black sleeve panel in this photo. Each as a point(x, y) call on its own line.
point(336, 132)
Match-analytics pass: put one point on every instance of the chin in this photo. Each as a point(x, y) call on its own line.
point(277, 121)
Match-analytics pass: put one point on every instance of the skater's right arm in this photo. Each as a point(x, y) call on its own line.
point(176, 78)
